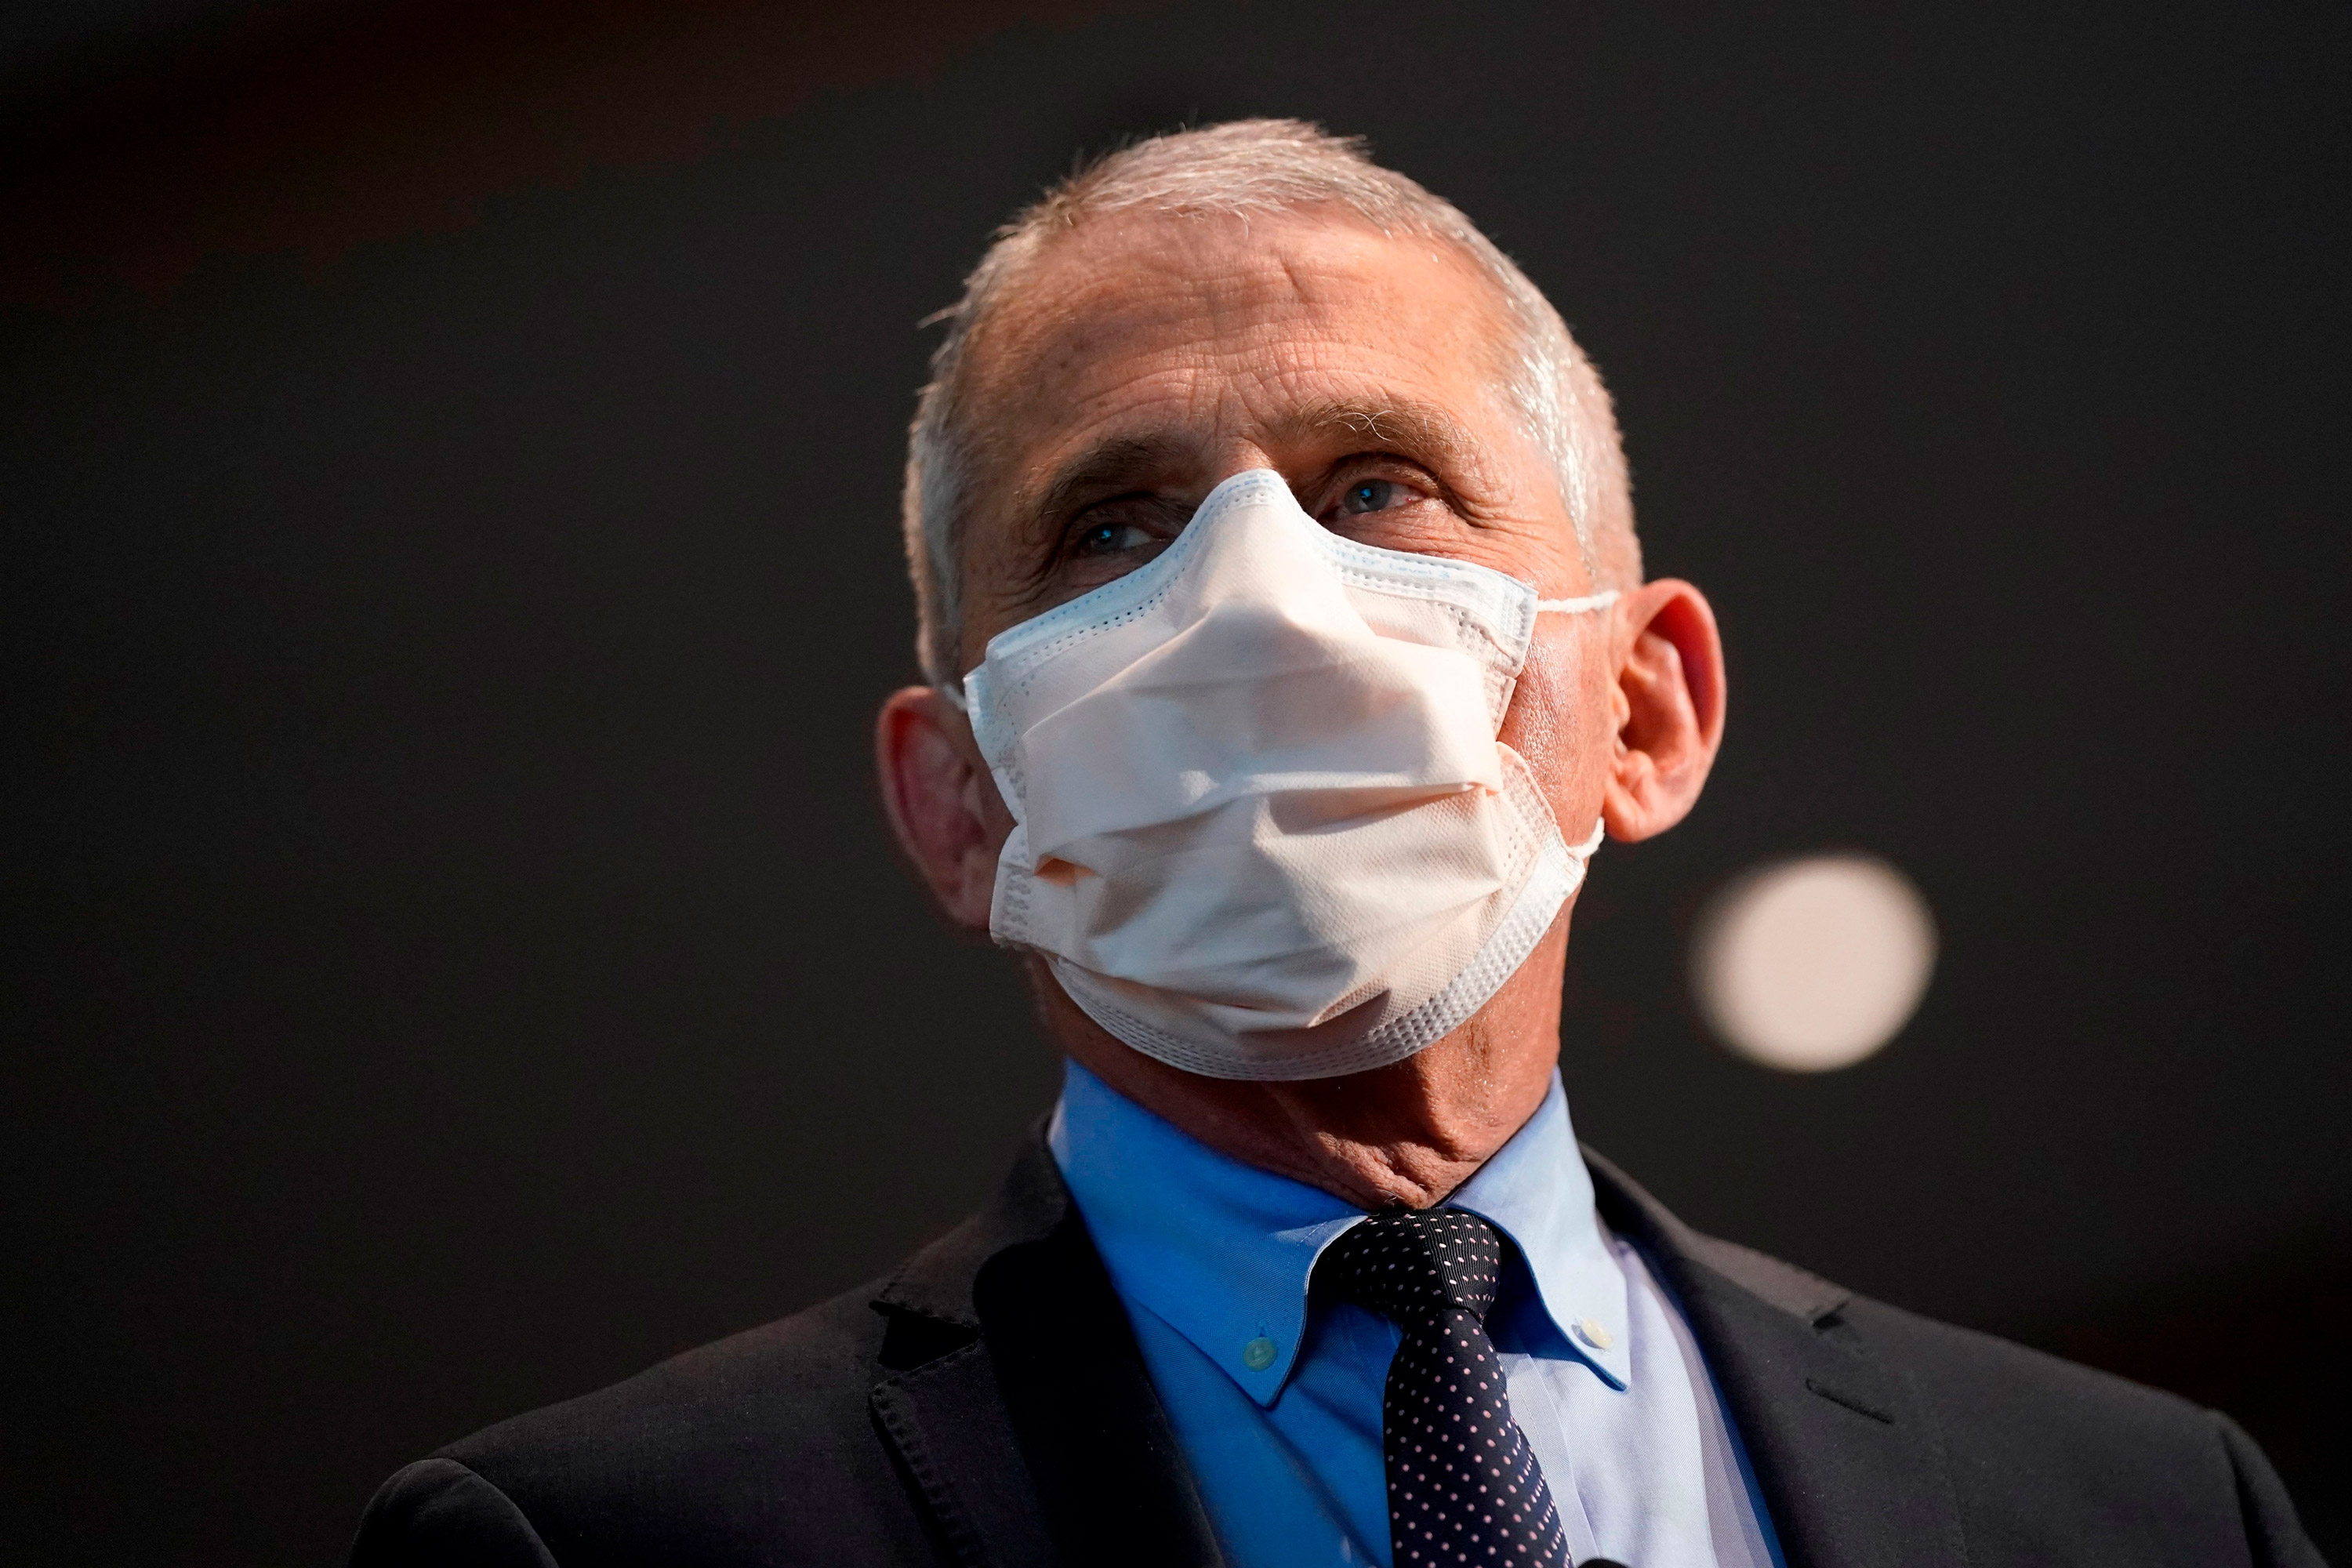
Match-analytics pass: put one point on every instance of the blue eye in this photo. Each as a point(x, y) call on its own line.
point(1113, 539)
point(1372, 495)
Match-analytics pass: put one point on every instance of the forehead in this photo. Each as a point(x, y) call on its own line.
point(1220, 321)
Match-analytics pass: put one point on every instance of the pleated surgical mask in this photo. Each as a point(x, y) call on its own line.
point(1263, 827)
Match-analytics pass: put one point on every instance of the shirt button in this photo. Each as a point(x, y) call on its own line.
point(1589, 1330)
point(1259, 1354)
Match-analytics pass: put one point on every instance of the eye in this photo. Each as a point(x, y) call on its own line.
point(1114, 539)
point(1371, 495)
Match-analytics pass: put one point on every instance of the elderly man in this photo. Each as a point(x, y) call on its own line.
point(1289, 657)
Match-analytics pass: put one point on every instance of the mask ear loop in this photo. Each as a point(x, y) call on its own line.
point(1585, 851)
point(952, 698)
point(1600, 601)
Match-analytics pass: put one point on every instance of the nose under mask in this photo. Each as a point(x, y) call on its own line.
point(1263, 827)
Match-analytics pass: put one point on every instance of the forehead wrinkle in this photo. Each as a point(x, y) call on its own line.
point(1100, 285)
point(1095, 294)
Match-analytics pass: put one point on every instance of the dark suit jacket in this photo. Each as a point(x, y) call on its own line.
point(986, 1404)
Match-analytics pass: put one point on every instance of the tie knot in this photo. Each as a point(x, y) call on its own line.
point(1413, 1264)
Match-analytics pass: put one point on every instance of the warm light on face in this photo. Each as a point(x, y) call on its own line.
point(1814, 964)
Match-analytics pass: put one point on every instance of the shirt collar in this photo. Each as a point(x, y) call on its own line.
point(1224, 1252)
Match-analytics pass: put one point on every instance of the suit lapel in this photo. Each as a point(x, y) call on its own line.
point(1010, 1386)
point(947, 1421)
point(1847, 1459)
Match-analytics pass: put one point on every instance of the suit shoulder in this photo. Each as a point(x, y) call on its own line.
point(2047, 1460)
point(797, 1374)
point(2029, 1438)
point(687, 1460)
point(1972, 1368)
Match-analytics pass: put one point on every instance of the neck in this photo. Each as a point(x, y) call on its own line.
point(1407, 1134)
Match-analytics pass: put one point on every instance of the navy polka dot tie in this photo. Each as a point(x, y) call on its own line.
point(1464, 1485)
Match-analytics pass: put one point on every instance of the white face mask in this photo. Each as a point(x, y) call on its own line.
point(1263, 827)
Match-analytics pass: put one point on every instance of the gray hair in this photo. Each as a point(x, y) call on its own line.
point(1242, 169)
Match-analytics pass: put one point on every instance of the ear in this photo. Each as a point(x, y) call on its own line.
point(1668, 707)
point(942, 802)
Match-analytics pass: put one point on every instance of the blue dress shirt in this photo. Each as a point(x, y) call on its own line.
point(1277, 1407)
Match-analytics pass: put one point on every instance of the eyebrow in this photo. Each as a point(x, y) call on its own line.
point(1118, 461)
point(1417, 429)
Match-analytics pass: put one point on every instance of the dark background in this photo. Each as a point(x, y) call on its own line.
point(449, 458)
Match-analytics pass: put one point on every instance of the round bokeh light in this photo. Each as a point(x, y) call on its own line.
point(1812, 965)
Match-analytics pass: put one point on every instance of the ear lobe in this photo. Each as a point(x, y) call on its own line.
point(941, 802)
point(1668, 704)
